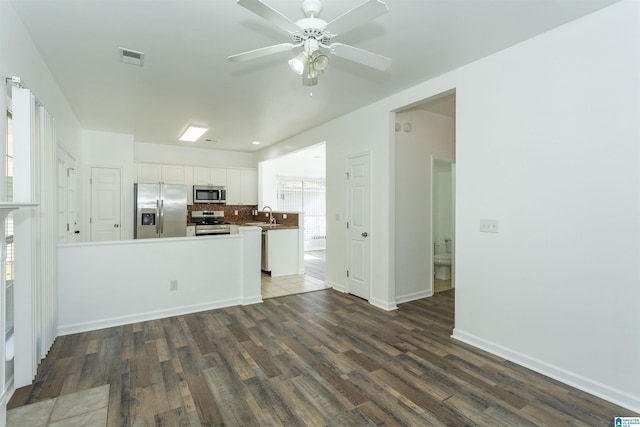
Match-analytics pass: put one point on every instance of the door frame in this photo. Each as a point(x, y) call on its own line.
point(452, 164)
point(347, 205)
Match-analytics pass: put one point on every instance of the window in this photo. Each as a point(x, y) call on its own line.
point(308, 196)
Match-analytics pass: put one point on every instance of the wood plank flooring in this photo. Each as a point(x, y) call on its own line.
point(314, 359)
point(315, 263)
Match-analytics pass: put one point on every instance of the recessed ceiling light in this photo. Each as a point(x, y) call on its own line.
point(192, 133)
point(256, 142)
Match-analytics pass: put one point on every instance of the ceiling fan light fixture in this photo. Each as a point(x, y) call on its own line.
point(297, 64)
point(319, 60)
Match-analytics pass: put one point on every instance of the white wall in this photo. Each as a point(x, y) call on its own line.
point(106, 284)
point(109, 150)
point(431, 135)
point(547, 143)
point(19, 57)
point(179, 155)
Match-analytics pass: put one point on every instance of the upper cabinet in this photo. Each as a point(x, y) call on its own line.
point(149, 173)
point(209, 176)
point(241, 184)
point(242, 187)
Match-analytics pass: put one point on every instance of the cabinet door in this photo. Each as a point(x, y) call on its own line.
point(201, 176)
point(234, 187)
point(249, 192)
point(218, 176)
point(172, 174)
point(188, 181)
point(149, 173)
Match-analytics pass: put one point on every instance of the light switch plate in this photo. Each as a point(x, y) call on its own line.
point(489, 226)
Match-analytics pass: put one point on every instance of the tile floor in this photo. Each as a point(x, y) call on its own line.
point(288, 285)
point(87, 408)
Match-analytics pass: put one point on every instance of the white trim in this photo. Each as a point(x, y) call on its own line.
point(337, 286)
point(383, 304)
point(143, 317)
point(603, 391)
point(414, 296)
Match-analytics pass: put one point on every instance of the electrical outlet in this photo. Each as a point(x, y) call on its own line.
point(284, 216)
point(489, 226)
point(235, 212)
point(173, 285)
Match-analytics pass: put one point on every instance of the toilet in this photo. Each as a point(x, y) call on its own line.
point(442, 262)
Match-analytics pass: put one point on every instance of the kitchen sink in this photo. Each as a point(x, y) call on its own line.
point(256, 223)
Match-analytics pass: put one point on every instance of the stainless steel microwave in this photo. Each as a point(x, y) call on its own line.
point(209, 194)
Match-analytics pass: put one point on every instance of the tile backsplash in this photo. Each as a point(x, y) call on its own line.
point(245, 213)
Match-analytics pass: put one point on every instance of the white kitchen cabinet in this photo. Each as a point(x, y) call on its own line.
point(173, 174)
point(209, 176)
point(242, 187)
point(249, 184)
point(149, 173)
point(188, 181)
point(280, 252)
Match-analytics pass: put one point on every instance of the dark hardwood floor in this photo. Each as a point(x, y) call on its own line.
point(314, 264)
point(314, 359)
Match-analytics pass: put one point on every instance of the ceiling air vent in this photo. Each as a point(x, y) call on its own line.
point(129, 56)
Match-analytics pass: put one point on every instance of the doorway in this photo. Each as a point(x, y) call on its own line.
point(424, 131)
point(443, 224)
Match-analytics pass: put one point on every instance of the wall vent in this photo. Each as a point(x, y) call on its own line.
point(133, 57)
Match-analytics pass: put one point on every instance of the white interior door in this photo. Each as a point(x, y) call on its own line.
point(358, 223)
point(105, 204)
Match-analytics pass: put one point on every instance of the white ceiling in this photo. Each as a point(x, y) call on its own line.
point(186, 77)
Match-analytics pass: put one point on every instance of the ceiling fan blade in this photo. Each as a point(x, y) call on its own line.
point(357, 16)
point(270, 14)
point(263, 51)
point(360, 56)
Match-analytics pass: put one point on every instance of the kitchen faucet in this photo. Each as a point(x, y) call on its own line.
point(271, 221)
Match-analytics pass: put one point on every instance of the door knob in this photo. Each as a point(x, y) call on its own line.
point(365, 234)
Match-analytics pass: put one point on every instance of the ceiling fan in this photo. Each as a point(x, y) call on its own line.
point(312, 34)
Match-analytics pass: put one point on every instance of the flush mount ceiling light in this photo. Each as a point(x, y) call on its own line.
point(192, 133)
point(312, 33)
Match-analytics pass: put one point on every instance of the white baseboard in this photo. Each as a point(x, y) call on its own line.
point(414, 296)
point(142, 317)
point(388, 306)
point(603, 391)
point(252, 300)
point(337, 286)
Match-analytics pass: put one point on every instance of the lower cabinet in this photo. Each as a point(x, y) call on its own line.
point(280, 252)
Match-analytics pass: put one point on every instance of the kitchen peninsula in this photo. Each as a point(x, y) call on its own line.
point(104, 284)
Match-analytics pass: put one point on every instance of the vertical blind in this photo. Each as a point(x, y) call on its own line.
point(306, 195)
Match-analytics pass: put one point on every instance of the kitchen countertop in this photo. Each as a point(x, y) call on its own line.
point(266, 226)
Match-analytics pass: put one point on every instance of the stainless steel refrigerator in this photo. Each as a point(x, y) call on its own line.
point(160, 210)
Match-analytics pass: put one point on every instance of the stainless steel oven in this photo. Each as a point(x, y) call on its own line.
point(209, 194)
point(209, 223)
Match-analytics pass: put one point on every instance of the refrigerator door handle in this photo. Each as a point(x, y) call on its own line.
point(157, 216)
point(161, 217)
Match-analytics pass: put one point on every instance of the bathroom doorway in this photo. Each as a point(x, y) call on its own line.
point(443, 224)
